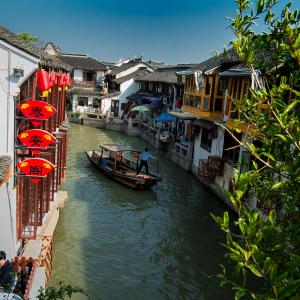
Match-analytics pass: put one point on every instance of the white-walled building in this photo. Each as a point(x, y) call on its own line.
point(87, 81)
point(17, 60)
point(122, 83)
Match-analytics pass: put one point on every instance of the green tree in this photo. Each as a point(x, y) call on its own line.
point(62, 291)
point(263, 245)
point(28, 37)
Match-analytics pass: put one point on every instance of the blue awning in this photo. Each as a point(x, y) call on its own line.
point(155, 102)
point(165, 117)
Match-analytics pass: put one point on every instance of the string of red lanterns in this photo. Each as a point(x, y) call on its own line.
point(37, 111)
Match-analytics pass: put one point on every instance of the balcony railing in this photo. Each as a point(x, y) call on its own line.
point(214, 116)
point(86, 84)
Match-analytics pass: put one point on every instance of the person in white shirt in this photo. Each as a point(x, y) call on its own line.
point(144, 161)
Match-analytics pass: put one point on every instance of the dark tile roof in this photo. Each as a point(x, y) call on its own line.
point(138, 97)
point(44, 59)
point(229, 57)
point(166, 75)
point(134, 75)
point(81, 61)
point(12, 39)
point(116, 70)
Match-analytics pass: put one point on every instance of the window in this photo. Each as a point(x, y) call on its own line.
point(123, 105)
point(206, 103)
point(218, 104)
point(96, 102)
point(186, 100)
point(207, 86)
point(192, 101)
point(150, 86)
point(89, 76)
point(231, 156)
point(206, 140)
point(198, 102)
point(159, 88)
point(142, 86)
point(83, 101)
point(77, 75)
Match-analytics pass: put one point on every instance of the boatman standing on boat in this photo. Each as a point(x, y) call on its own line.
point(144, 161)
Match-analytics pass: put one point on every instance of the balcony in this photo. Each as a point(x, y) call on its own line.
point(212, 116)
point(86, 84)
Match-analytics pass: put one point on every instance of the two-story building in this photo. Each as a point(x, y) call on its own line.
point(122, 81)
point(88, 77)
point(209, 91)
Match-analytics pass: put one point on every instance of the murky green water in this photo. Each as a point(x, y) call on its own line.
point(118, 243)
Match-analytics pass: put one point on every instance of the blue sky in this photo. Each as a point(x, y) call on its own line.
point(173, 31)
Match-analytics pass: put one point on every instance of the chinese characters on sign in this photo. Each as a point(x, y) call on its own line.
point(36, 139)
point(36, 111)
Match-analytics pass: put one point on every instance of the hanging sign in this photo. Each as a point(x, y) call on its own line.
point(36, 110)
point(35, 167)
point(35, 139)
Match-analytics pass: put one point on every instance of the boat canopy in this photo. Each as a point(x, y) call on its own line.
point(117, 148)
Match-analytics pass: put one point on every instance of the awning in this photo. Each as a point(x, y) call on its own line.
point(165, 117)
point(182, 115)
point(204, 124)
point(237, 72)
point(155, 102)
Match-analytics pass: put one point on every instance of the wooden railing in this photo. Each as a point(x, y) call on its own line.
point(45, 260)
point(214, 116)
point(25, 270)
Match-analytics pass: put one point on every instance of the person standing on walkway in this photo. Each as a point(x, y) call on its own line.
point(144, 161)
point(6, 270)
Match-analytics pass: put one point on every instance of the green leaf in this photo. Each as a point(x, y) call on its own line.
point(239, 293)
point(254, 270)
point(278, 185)
point(290, 107)
point(284, 139)
point(267, 265)
point(225, 219)
point(269, 155)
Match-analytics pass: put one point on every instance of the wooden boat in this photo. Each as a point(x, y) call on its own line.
point(120, 163)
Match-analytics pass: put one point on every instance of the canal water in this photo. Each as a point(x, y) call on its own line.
point(118, 243)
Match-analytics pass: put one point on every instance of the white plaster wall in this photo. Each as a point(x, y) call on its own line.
point(106, 105)
point(127, 88)
point(74, 102)
point(216, 147)
point(10, 58)
point(78, 75)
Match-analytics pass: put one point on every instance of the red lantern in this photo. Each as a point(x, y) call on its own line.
point(67, 81)
point(43, 82)
point(52, 79)
point(36, 138)
point(135, 154)
point(35, 167)
point(120, 154)
point(61, 81)
point(37, 110)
